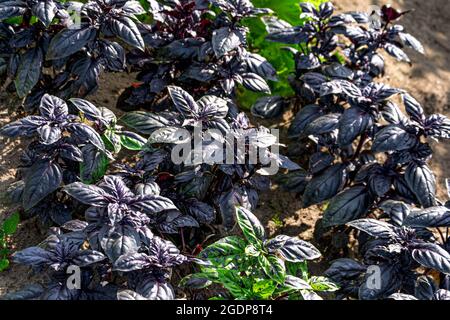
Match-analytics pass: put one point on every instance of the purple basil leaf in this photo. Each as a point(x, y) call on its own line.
point(268, 107)
point(156, 290)
point(70, 41)
point(422, 182)
point(43, 178)
point(347, 206)
point(425, 288)
point(325, 186)
point(373, 227)
point(87, 257)
point(412, 42)
point(24, 127)
point(132, 262)
point(396, 52)
point(432, 256)
point(29, 71)
point(90, 111)
point(396, 210)
point(323, 124)
point(126, 29)
point(144, 122)
point(49, 134)
point(151, 204)
point(33, 256)
point(255, 83)
point(413, 108)
point(296, 250)
point(303, 118)
point(432, 217)
point(226, 39)
point(390, 282)
point(118, 241)
point(393, 138)
point(87, 134)
point(260, 66)
point(44, 10)
point(10, 9)
point(183, 101)
point(87, 194)
point(392, 114)
point(353, 123)
point(344, 268)
point(53, 107)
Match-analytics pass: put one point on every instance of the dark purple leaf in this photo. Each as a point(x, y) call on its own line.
point(226, 39)
point(183, 101)
point(202, 212)
point(432, 217)
point(87, 257)
point(29, 71)
point(323, 124)
point(24, 127)
point(411, 41)
point(420, 179)
point(296, 250)
point(87, 194)
point(432, 256)
point(425, 288)
point(49, 134)
point(303, 118)
point(152, 204)
point(144, 122)
point(392, 114)
point(307, 62)
point(255, 83)
point(155, 290)
point(396, 52)
point(118, 241)
point(396, 210)
point(43, 178)
point(393, 138)
point(347, 206)
point(90, 111)
point(325, 186)
point(87, 134)
point(70, 41)
point(13, 8)
point(353, 123)
point(344, 268)
point(373, 227)
point(389, 281)
point(132, 262)
point(44, 10)
point(413, 108)
point(260, 66)
point(33, 256)
point(126, 29)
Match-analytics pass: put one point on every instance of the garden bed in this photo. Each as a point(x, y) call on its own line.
point(281, 212)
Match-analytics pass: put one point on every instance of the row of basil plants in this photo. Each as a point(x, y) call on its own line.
point(117, 222)
point(369, 160)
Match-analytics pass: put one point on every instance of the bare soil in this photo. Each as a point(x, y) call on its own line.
point(281, 212)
